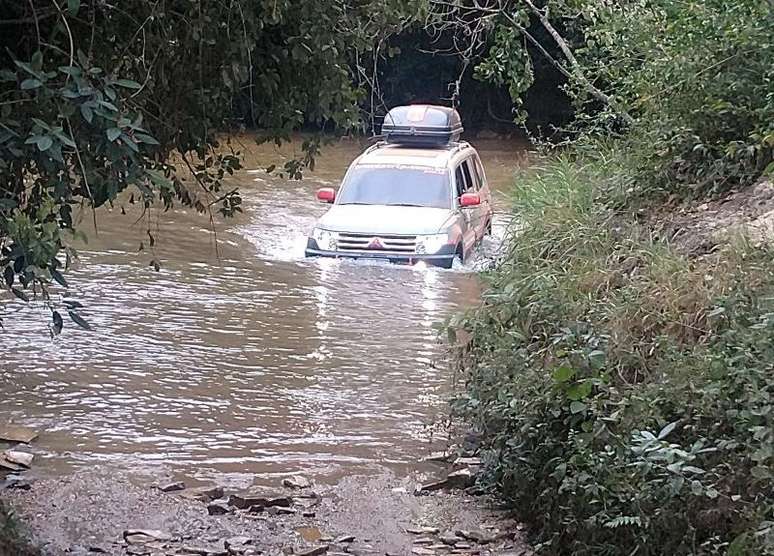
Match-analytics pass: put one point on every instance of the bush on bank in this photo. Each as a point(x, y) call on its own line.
point(625, 393)
point(11, 541)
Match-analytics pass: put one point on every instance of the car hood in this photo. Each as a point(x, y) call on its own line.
point(383, 219)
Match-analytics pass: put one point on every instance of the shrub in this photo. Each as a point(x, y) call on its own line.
point(624, 393)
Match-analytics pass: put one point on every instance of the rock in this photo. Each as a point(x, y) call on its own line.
point(422, 551)
point(5, 464)
point(424, 540)
point(16, 482)
point(308, 514)
point(202, 550)
point(244, 501)
point(172, 487)
point(19, 458)
point(468, 462)
point(477, 535)
point(280, 510)
point(463, 545)
point(437, 457)
point(449, 537)
point(422, 530)
point(463, 478)
point(314, 551)
point(237, 545)
point(309, 534)
point(17, 433)
point(297, 482)
point(217, 508)
point(203, 494)
point(344, 539)
point(143, 536)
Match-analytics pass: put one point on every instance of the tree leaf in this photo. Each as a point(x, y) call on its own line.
point(20, 294)
point(31, 83)
point(58, 323)
point(666, 430)
point(72, 304)
point(87, 113)
point(8, 275)
point(56, 275)
point(113, 133)
point(44, 143)
point(577, 407)
point(563, 374)
point(73, 6)
point(77, 319)
point(144, 138)
point(128, 83)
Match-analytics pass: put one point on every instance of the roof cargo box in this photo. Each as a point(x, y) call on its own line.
point(422, 124)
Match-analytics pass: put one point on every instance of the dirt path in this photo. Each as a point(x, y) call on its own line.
point(89, 512)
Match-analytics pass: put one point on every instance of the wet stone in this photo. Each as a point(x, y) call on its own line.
point(244, 501)
point(17, 433)
point(422, 530)
point(477, 535)
point(280, 510)
point(424, 540)
point(419, 551)
point(203, 494)
point(344, 539)
point(202, 550)
point(217, 508)
point(18, 457)
point(463, 478)
point(172, 487)
point(296, 482)
point(449, 538)
point(144, 536)
point(314, 551)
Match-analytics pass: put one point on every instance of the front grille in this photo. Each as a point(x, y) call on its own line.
point(398, 244)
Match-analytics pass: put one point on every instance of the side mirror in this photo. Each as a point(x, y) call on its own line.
point(326, 194)
point(470, 200)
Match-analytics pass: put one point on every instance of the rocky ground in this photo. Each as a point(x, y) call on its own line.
point(700, 228)
point(106, 509)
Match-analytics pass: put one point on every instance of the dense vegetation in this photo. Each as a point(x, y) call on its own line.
point(98, 97)
point(624, 388)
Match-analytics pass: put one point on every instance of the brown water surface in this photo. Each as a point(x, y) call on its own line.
point(248, 364)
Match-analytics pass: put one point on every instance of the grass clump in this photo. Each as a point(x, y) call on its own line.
point(12, 542)
point(625, 393)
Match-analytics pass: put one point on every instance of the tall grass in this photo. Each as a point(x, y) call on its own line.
point(624, 392)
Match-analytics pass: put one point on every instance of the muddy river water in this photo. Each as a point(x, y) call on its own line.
point(247, 364)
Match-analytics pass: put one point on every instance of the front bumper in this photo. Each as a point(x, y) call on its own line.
point(443, 257)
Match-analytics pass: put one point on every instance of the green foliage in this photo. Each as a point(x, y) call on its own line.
point(624, 393)
point(690, 83)
point(11, 541)
point(699, 79)
point(100, 102)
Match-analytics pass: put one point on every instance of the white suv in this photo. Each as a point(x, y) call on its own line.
point(409, 198)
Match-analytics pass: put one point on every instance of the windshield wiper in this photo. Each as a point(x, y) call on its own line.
point(404, 205)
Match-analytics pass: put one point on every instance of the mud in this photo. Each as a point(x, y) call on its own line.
point(89, 511)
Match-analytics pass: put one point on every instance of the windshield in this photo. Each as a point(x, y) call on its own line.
point(396, 186)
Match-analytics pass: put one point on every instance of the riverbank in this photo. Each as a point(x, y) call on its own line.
point(621, 368)
point(109, 510)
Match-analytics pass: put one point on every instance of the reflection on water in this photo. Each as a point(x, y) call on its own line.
point(253, 363)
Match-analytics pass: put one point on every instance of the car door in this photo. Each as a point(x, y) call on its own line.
point(463, 184)
point(485, 209)
point(476, 212)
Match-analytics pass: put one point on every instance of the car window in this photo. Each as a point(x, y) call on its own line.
point(459, 181)
point(479, 171)
point(469, 184)
point(396, 186)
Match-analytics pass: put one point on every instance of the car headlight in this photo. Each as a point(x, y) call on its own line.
point(327, 241)
point(431, 244)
